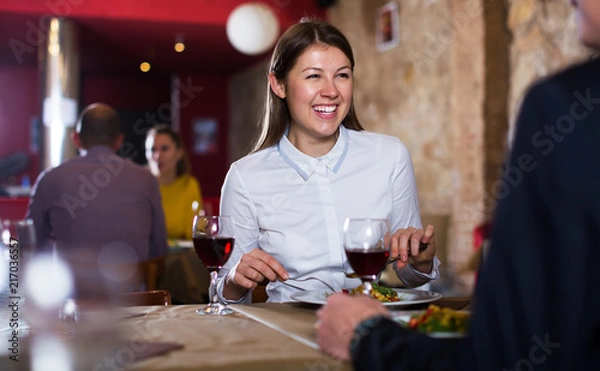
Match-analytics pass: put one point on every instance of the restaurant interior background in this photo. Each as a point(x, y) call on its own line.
point(449, 90)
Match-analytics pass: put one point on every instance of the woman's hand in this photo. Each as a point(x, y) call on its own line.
point(339, 317)
point(410, 237)
point(252, 269)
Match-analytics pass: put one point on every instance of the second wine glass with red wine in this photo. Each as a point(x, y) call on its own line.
point(213, 241)
point(367, 245)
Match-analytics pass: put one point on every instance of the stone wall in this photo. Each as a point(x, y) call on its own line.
point(411, 92)
point(450, 91)
point(404, 91)
point(544, 41)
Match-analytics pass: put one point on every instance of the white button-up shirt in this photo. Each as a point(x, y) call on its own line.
point(293, 206)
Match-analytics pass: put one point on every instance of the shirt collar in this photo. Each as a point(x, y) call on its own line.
point(95, 151)
point(305, 165)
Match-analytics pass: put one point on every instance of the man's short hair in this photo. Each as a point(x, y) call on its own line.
point(98, 124)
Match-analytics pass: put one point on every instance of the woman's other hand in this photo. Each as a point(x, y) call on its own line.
point(410, 238)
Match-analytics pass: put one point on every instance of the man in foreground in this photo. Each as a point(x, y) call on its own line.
point(536, 305)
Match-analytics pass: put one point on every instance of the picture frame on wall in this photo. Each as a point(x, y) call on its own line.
point(387, 25)
point(205, 136)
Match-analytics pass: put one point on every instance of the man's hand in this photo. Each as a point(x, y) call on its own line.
point(339, 317)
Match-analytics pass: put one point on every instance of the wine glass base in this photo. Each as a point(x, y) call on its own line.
point(215, 310)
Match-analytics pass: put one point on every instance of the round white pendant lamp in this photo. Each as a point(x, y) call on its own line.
point(252, 28)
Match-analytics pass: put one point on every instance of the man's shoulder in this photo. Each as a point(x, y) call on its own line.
point(578, 76)
point(59, 170)
point(135, 167)
point(111, 165)
point(586, 70)
point(138, 174)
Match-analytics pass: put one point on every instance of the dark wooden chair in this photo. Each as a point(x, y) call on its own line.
point(151, 270)
point(152, 297)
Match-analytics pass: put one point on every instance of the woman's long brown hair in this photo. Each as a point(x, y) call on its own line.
point(299, 37)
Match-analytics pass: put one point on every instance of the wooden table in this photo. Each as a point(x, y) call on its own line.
point(267, 336)
point(261, 336)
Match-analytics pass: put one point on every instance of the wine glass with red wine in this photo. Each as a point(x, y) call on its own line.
point(213, 242)
point(367, 246)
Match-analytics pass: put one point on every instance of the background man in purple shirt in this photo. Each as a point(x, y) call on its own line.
point(99, 208)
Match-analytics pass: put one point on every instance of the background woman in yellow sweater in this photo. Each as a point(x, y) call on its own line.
point(180, 191)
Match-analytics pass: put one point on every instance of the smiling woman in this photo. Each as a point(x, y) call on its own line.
point(313, 166)
point(318, 91)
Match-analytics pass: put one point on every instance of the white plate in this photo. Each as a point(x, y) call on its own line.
point(408, 297)
point(447, 335)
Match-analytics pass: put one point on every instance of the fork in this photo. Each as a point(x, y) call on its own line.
point(422, 247)
point(306, 279)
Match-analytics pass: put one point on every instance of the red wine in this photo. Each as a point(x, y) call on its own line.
point(367, 263)
point(213, 252)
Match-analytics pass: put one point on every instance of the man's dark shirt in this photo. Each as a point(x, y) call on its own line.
point(537, 302)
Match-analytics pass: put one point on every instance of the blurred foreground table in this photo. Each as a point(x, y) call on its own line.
point(261, 336)
point(267, 336)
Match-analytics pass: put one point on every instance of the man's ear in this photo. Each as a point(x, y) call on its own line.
point(76, 140)
point(118, 142)
point(277, 87)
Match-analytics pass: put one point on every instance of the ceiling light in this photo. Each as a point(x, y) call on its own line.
point(179, 47)
point(179, 44)
point(252, 28)
point(144, 66)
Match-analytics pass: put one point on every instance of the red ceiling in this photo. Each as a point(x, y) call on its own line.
point(116, 35)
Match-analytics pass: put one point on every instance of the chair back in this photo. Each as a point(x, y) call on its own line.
point(152, 297)
point(130, 277)
point(151, 270)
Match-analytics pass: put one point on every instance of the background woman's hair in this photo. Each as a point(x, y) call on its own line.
point(183, 165)
point(299, 37)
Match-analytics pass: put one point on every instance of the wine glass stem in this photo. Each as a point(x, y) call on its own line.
point(212, 290)
point(367, 285)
